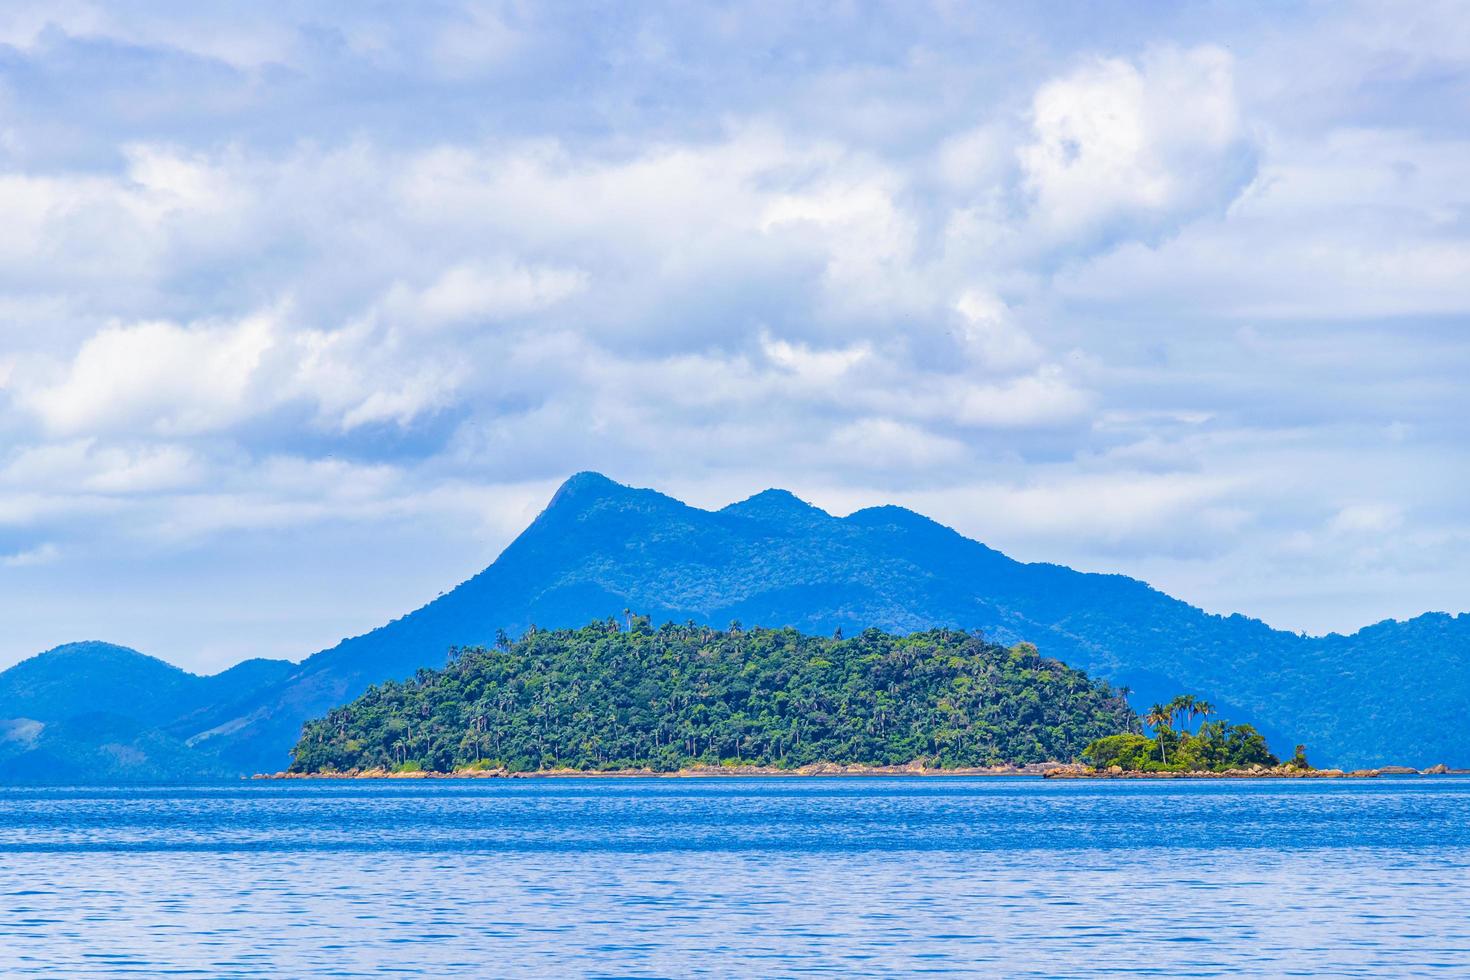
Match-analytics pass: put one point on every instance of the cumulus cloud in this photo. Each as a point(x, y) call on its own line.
point(176, 380)
point(990, 332)
point(1341, 226)
point(821, 366)
point(158, 377)
point(1136, 147)
point(482, 291)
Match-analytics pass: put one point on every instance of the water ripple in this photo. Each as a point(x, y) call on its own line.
point(870, 877)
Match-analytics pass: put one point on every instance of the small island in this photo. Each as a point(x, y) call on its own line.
point(624, 697)
point(1212, 750)
point(1213, 747)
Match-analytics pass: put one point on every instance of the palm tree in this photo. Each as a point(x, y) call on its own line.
point(1183, 705)
point(1204, 709)
point(1124, 693)
point(1159, 717)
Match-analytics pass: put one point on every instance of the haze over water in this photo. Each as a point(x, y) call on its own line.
point(752, 877)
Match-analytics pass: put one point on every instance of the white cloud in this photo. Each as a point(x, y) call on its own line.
point(1367, 519)
point(977, 161)
point(868, 240)
point(83, 465)
point(1136, 147)
point(874, 443)
point(363, 374)
point(991, 334)
point(179, 380)
point(483, 291)
point(1046, 397)
point(43, 554)
point(1121, 507)
point(823, 367)
point(1337, 226)
point(159, 377)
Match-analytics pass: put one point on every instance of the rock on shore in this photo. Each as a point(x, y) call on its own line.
point(1255, 772)
point(1050, 770)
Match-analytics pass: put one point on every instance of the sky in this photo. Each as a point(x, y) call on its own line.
point(306, 310)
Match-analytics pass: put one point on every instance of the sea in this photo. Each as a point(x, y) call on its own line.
point(738, 877)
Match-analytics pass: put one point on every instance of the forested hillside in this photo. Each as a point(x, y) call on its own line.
point(97, 712)
point(604, 697)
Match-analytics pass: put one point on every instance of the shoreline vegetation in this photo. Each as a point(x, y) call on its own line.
point(1047, 770)
point(1213, 750)
point(815, 769)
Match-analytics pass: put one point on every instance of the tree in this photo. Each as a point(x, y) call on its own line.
point(1159, 718)
point(1215, 746)
point(1124, 693)
point(1183, 705)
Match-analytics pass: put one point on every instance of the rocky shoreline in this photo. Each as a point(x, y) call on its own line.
point(1255, 772)
point(816, 769)
point(1049, 770)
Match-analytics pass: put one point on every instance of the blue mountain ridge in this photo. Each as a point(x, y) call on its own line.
point(1393, 692)
point(95, 711)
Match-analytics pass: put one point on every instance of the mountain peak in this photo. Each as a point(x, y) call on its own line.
point(100, 651)
point(892, 515)
point(588, 489)
point(588, 483)
point(775, 504)
point(587, 493)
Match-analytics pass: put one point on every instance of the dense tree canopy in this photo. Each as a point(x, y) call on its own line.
point(613, 695)
point(1215, 747)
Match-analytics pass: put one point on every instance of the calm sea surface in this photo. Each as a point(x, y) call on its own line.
point(738, 877)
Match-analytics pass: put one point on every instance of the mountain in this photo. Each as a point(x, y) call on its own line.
point(1392, 693)
point(604, 697)
point(96, 711)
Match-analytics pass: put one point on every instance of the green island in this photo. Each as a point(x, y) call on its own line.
point(1213, 747)
point(625, 696)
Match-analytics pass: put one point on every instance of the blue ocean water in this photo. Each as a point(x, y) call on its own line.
point(738, 877)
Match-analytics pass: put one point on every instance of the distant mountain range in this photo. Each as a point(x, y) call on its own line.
point(1396, 692)
point(99, 711)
